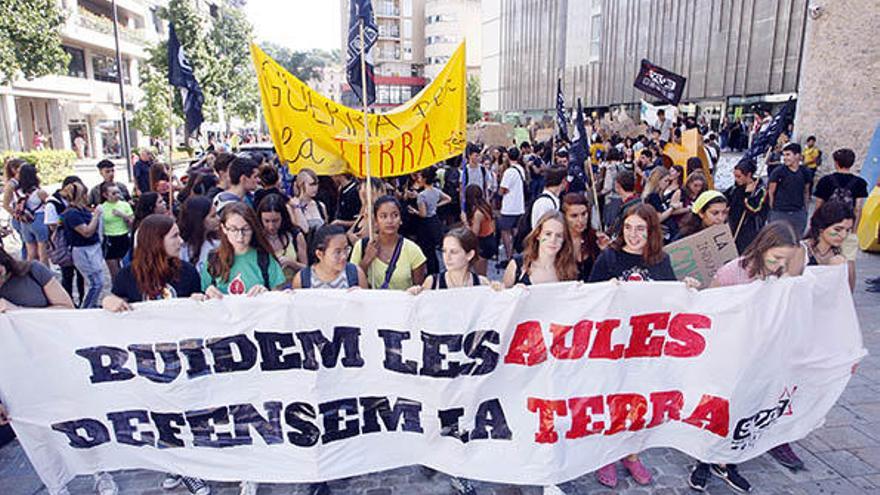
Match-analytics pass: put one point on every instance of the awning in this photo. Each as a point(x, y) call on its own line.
point(102, 111)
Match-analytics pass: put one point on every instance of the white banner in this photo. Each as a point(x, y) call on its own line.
point(649, 113)
point(556, 380)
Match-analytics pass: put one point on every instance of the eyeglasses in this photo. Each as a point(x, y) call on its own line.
point(244, 231)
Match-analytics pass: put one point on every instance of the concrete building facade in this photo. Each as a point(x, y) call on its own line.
point(447, 24)
point(399, 54)
point(733, 52)
point(80, 110)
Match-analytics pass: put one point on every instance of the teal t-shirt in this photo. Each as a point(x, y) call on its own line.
point(244, 274)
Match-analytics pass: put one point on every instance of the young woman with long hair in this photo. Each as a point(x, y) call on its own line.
point(314, 213)
point(29, 284)
point(331, 270)
point(709, 209)
point(287, 241)
point(479, 217)
point(460, 247)
point(30, 210)
point(429, 233)
point(389, 260)
point(81, 231)
point(771, 254)
point(585, 241)
point(147, 204)
point(199, 226)
point(244, 263)
point(547, 255)
point(653, 194)
point(831, 223)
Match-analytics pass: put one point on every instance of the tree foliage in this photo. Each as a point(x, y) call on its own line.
point(231, 38)
point(153, 116)
point(30, 39)
point(473, 99)
point(305, 65)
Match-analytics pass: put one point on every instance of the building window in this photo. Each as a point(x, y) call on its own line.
point(406, 9)
point(77, 65)
point(596, 36)
point(105, 69)
point(433, 40)
point(433, 19)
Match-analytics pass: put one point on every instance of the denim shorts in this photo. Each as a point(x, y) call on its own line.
point(36, 231)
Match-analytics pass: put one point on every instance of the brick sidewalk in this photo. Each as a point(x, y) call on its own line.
point(843, 457)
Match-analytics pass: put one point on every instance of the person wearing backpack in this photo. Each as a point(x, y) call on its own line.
point(244, 263)
point(332, 270)
point(60, 252)
point(845, 186)
point(475, 173)
point(29, 210)
point(548, 200)
point(513, 200)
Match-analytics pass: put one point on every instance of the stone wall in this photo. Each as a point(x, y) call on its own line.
point(839, 92)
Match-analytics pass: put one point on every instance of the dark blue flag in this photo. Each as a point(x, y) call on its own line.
point(768, 136)
point(180, 74)
point(561, 119)
point(361, 11)
point(580, 151)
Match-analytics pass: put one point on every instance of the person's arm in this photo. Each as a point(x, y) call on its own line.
point(509, 275)
point(476, 222)
point(302, 252)
point(860, 203)
point(771, 194)
point(419, 273)
point(297, 281)
point(57, 297)
point(7, 198)
point(444, 199)
point(87, 230)
point(362, 279)
point(807, 195)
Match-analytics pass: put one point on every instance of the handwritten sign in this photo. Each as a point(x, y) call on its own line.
point(491, 134)
point(311, 131)
point(701, 255)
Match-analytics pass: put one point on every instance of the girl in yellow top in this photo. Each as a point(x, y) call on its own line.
point(390, 260)
point(118, 219)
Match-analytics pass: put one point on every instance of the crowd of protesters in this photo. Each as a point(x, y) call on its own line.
point(235, 225)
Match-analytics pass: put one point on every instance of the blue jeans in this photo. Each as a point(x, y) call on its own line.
point(89, 260)
point(797, 219)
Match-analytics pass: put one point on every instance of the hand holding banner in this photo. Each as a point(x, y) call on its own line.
point(311, 131)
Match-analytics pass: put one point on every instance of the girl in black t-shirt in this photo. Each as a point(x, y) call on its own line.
point(156, 270)
point(586, 242)
point(637, 252)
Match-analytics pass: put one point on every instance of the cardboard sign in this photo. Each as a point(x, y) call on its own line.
point(659, 82)
point(700, 255)
point(491, 134)
point(543, 135)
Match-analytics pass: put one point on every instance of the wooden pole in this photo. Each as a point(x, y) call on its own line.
point(366, 133)
point(171, 151)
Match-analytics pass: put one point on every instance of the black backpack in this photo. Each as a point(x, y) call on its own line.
point(524, 225)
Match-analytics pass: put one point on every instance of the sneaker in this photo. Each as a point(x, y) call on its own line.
point(196, 486)
point(699, 477)
point(319, 489)
point(553, 490)
point(171, 481)
point(638, 471)
point(785, 455)
point(731, 476)
point(607, 475)
point(462, 486)
point(248, 488)
point(104, 484)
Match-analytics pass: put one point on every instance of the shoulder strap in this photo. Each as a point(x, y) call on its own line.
point(263, 261)
point(521, 176)
point(392, 263)
point(305, 277)
point(351, 274)
point(435, 282)
point(518, 260)
point(476, 279)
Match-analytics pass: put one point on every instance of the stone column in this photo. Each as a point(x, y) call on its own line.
point(839, 87)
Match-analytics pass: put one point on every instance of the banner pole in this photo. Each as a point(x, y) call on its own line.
point(369, 208)
point(171, 151)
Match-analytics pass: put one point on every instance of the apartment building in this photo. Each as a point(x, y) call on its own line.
point(447, 24)
point(80, 110)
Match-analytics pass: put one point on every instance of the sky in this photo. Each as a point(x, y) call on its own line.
point(297, 24)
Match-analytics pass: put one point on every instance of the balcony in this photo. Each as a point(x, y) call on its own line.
point(386, 9)
point(390, 31)
point(95, 22)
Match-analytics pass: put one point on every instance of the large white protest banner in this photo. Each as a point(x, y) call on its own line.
point(527, 386)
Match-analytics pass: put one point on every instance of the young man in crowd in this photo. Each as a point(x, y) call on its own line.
point(664, 125)
point(513, 202)
point(812, 155)
point(348, 201)
point(625, 187)
point(142, 172)
point(107, 169)
point(475, 173)
point(789, 190)
point(549, 200)
point(845, 186)
point(243, 181)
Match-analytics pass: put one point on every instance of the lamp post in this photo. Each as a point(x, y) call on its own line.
point(126, 146)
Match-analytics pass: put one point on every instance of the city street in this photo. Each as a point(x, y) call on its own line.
point(843, 457)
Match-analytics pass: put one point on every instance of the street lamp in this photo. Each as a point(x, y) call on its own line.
point(126, 146)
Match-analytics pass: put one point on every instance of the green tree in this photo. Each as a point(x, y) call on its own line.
point(305, 65)
point(473, 99)
point(191, 29)
point(154, 116)
point(30, 39)
point(231, 37)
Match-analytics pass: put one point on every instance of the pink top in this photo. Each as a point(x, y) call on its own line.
point(731, 273)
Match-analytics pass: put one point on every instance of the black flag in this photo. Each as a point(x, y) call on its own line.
point(659, 82)
point(561, 119)
point(767, 137)
point(180, 74)
point(361, 11)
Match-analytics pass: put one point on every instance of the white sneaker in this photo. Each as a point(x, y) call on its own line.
point(104, 484)
point(171, 481)
point(248, 488)
point(553, 490)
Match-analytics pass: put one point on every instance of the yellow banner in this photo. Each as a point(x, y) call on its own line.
point(311, 131)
